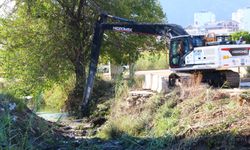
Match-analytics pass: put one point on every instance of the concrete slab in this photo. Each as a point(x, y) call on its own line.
point(147, 81)
point(155, 80)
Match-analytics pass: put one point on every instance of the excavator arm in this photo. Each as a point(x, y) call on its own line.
point(126, 26)
point(169, 30)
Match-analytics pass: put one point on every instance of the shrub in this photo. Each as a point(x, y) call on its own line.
point(151, 61)
point(55, 98)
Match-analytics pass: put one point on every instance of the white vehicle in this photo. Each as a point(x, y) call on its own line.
point(213, 62)
point(219, 57)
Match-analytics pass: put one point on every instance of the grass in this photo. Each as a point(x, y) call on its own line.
point(187, 117)
point(156, 117)
point(21, 129)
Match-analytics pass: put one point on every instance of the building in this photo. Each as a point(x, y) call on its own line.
point(203, 17)
point(222, 27)
point(243, 17)
point(195, 30)
point(218, 27)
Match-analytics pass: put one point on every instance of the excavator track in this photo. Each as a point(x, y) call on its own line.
point(232, 79)
point(215, 78)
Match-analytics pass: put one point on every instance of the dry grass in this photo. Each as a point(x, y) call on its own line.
point(191, 111)
point(204, 108)
point(191, 86)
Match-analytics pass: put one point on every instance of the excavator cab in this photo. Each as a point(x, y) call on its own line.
point(179, 48)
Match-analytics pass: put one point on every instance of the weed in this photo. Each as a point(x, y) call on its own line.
point(138, 82)
point(209, 106)
point(20, 128)
point(110, 131)
point(201, 118)
point(166, 120)
point(231, 105)
point(121, 87)
point(54, 99)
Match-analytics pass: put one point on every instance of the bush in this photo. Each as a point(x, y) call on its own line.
point(151, 61)
point(55, 98)
point(244, 34)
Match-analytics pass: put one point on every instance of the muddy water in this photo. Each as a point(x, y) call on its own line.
point(54, 117)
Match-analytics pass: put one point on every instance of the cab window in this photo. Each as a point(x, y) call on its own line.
point(179, 47)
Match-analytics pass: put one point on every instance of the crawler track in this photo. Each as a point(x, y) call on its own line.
point(232, 79)
point(215, 78)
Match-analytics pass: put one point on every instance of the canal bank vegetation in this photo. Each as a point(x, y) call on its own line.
point(45, 51)
point(183, 118)
point(195, 117)
point(20, 128)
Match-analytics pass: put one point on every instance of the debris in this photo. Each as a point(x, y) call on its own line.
point(12, 106)
point(14, 118)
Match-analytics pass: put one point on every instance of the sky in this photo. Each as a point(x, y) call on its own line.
point(182, 11)
point(5, 8)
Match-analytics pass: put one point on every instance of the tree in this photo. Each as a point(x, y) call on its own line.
point(244, 34)
point(46, 41)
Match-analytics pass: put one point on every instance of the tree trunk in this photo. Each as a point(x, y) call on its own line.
point(80, 79)
point(131, 71)
point(74, 100)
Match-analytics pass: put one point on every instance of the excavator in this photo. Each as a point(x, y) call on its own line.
point(187, 54)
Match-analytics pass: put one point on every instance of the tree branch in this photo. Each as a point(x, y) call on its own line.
point(80, 8)
point(66, 8)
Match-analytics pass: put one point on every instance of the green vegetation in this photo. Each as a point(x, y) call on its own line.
point(152, 61)
point(21, 129)
point(44, 43)
point(244, 34)
point(184, 118)
point(55, 98)
point(44, 54)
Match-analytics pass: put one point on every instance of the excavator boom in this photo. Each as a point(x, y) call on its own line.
point(122, 25)
point(169, 30)
point(188, 54)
